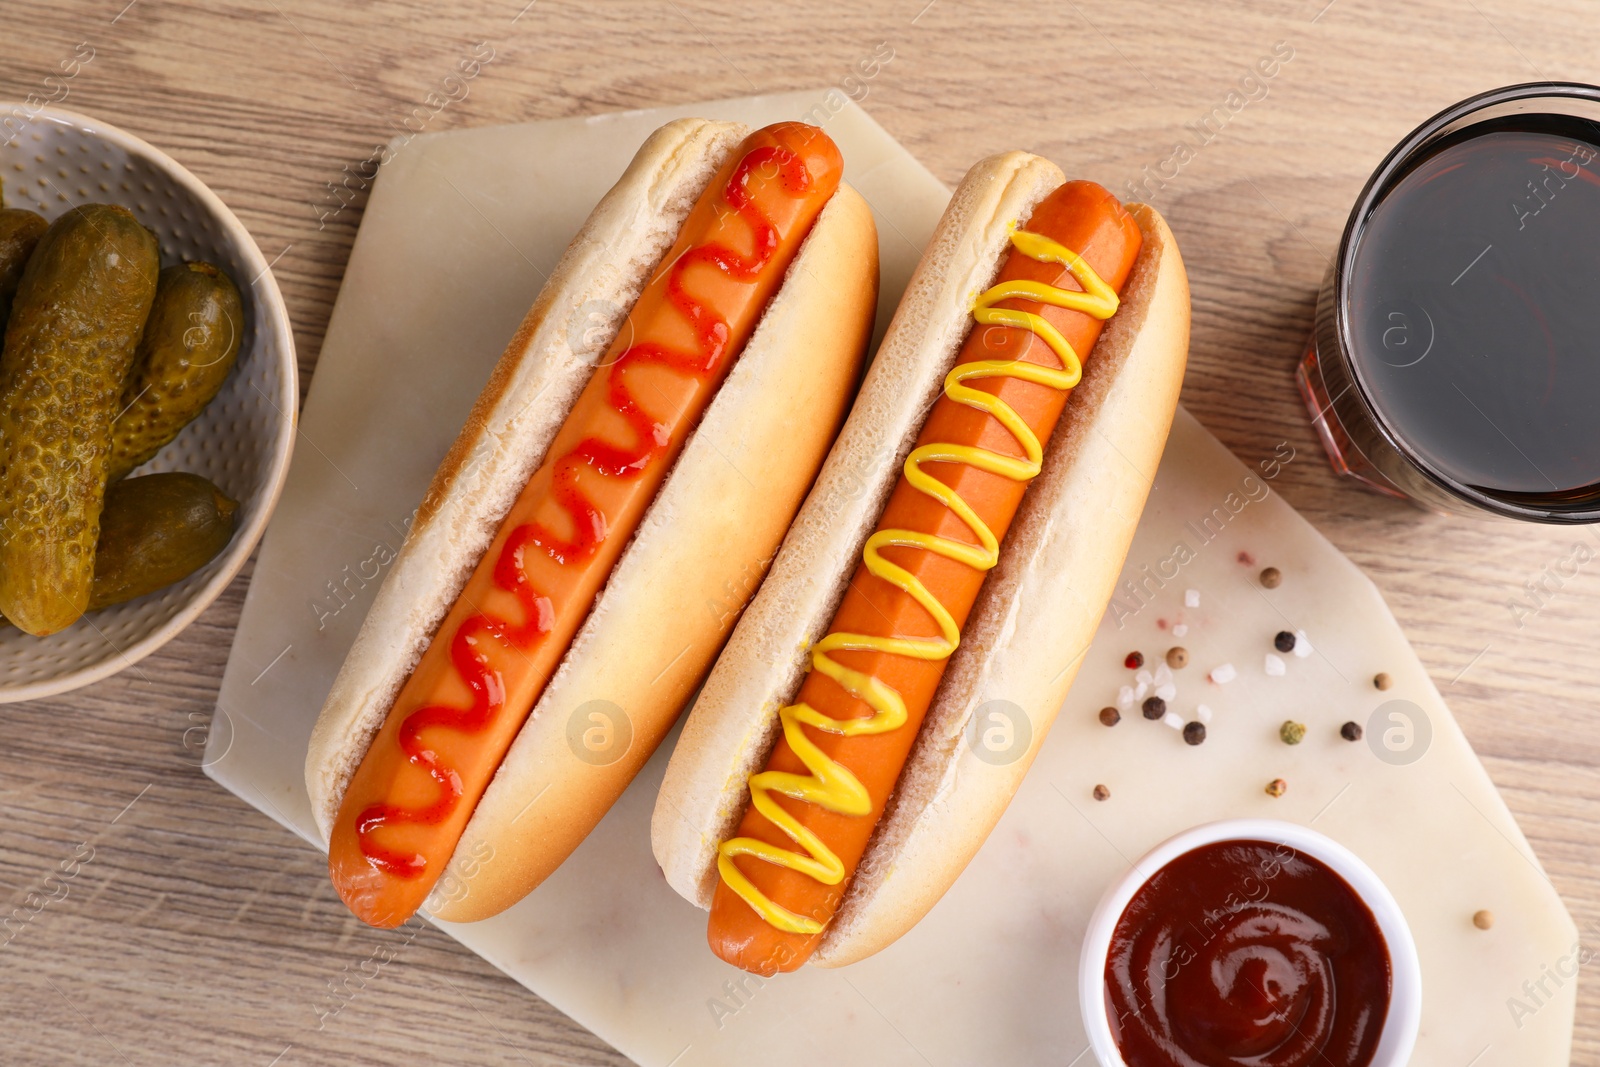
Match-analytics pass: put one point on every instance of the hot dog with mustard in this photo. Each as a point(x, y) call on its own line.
point(1001, 514)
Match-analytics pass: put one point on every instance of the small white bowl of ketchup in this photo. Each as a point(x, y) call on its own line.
point(1250, 941)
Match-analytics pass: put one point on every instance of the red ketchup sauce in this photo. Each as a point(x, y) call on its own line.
point(468, 645)
point(1248, 953)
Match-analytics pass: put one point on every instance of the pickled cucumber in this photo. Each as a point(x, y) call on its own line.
point(74, 328)
point(20, 230)
point(189, 345)
point(157, 529)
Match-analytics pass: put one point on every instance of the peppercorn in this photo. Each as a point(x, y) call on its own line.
point(1382, 680)
point(1284, 641)
point(1271, 578)
point(1194, 732)
point(1350, 731)
point(1483, 919)
point(1134, 661)
point(1154, 708)
point(1291, 732)
point(1177, 657)
point(1102, 793)
point(1110, 716)
point(1277, 787)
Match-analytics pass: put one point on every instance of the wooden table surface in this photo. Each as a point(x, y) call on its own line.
point(197, 931)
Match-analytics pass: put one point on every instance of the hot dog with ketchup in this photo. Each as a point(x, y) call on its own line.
point(543, 624)
point(975, 573)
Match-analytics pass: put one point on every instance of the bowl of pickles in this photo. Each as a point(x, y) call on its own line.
point(147, 399)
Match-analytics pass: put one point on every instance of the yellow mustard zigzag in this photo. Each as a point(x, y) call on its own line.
point(830, 784)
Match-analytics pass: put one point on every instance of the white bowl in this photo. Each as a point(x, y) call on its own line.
point(1405, 996)
point(242, 441)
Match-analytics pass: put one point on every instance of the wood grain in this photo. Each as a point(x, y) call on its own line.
point(199, 932)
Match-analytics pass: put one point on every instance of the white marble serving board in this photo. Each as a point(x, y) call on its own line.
point(455, 241)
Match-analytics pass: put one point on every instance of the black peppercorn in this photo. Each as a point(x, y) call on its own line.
point(1350, 731)
point(1194, 732)
point(1284, 642)
point(1154, 708)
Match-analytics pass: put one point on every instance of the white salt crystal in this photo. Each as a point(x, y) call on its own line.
point(1224, 674)
point(1203, 712)
point(1274, 665)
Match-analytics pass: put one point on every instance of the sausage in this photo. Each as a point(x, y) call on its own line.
point(1082, 217)
point(408, 802)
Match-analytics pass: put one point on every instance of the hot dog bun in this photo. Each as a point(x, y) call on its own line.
point(1039, 607)
point(712, 527)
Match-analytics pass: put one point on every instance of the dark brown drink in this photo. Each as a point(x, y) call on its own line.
point(1457, 356)
point(1475, 307)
